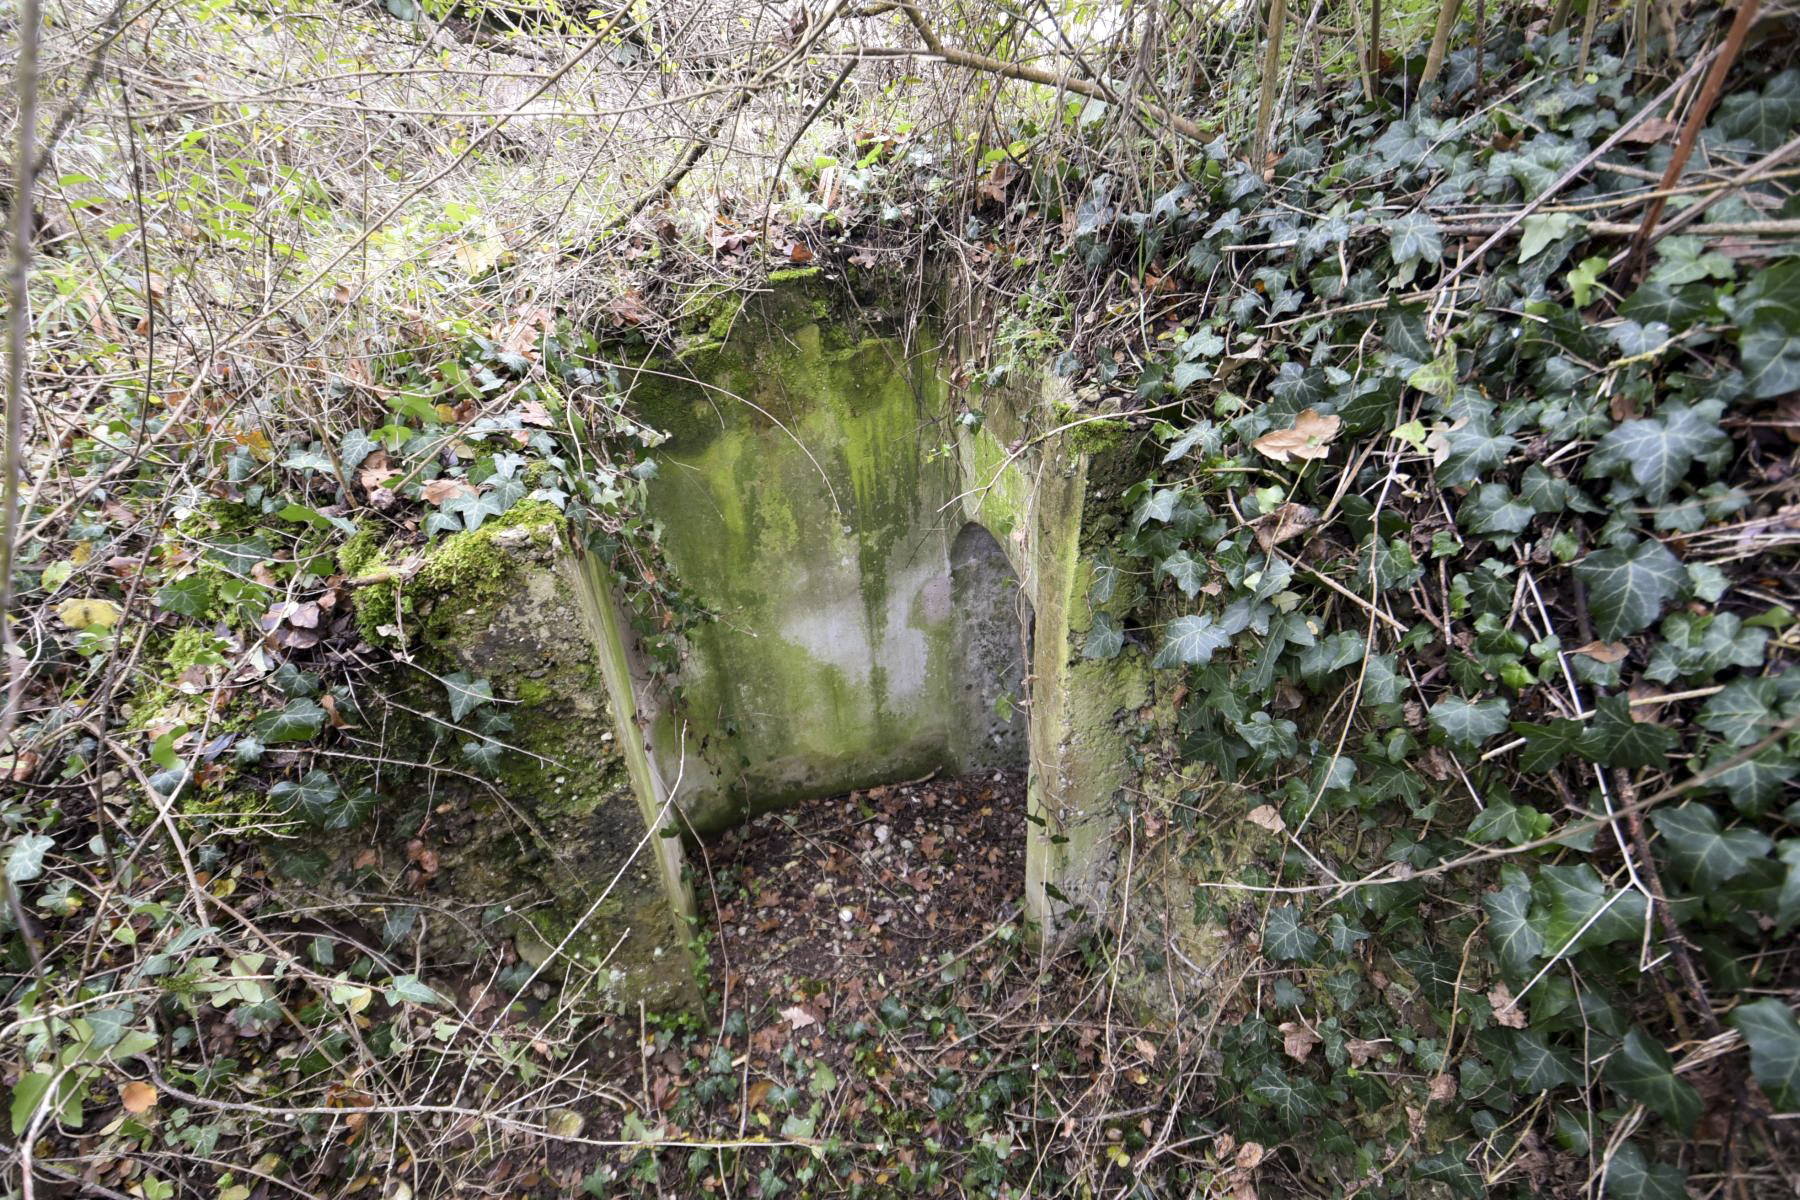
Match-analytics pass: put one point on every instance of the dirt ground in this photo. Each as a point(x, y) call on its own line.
point(862, 891)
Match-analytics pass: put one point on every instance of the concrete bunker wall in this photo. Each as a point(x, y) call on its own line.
point(863, 636)
point(882, 575)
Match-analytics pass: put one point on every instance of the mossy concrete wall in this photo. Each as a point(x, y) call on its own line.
point(1025, 479)
point(822, 496)
point(555, 846)
point(807, 499)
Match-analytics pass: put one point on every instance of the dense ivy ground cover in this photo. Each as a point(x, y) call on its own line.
point(1470, 558)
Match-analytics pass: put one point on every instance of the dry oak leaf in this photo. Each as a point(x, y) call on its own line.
point(1309, 438)
point(1606, 652)
point(1267, 817)
point(1276, 527)
point(137, 1096)
point(798, 1017)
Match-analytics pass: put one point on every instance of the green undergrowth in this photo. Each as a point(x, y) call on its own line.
point(1482, 751)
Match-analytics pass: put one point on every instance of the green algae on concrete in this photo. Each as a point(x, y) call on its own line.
point(799, 505)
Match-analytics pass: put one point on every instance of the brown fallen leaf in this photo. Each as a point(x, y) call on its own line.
point(798, 1017)
point(1443, 1088)
point(440, 490)
point(1361, 1050)
point(137, 1096)
point(1274, 528)
point(1308, 438)
point(1654, 129)
point(1266, 816)
point(1506, 1009)
point(1606, 652)
point(1298, 1040)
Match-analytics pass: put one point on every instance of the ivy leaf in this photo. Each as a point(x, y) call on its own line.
point(298, 720)
point(189, 597)
point(1629, 585)
point(1502, 820)
point(1706, 854)
point(1190, 641)
point(1539, 1066)
point(25, 862)
point(466, 694)
point(1493, 510)
point(1540, 229)
point(1770, 351)
point(1187, 374)
point(1469, 723)
point(1203, 434)
point(1583, 912)
point(1643, 1071)
point(1472, 450)
point(1159, 505)
point(1285, 939)
point(485, 753)
point(1184, 570)
point(1773, 1035)
point(1654, 453)
point(1548, 743)
point(1630, 1177)
point(408, 989)
point(1744, 712)
point(313, 796)
point(1437, 377)
point(1634, 338)
point(1105, 639)
point(1510, 931)
point(1415, 237)
point(356, 446)
point(1382, 684)
point(1293, 1102)
point(1764, 120)
point(1756, 781)
point(1618, 741)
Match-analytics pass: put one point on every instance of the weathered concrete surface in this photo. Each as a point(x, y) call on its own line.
point(1028, 484)
point(558, 851)
point(807, 499)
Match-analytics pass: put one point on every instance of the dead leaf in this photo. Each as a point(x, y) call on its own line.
point(1276, 527)
point(1307, 439)
point(1654, 129)
point(1443, 1088)
point(1361, 1050)
point(798, 1018)
point(137, 1096)
point(440, 490)
point(1266, 816)
point(1250, 1156)
point(1606, 652)
point(1506, 1009)
point(1298, 1040)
